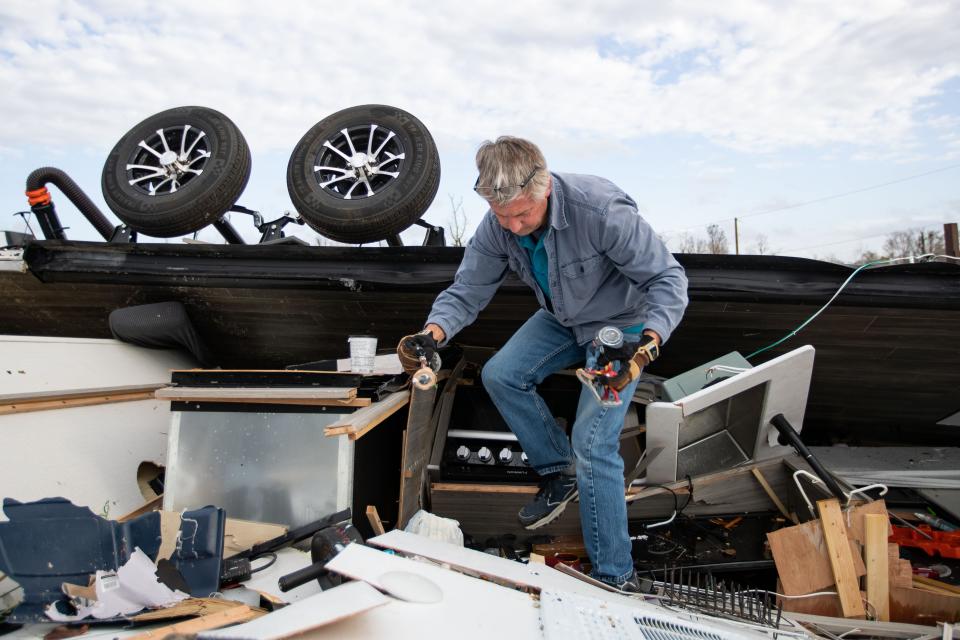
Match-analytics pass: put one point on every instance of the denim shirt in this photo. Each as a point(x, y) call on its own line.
point(606, 265)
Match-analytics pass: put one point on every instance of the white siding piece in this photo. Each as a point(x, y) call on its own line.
point(529, 576)
point(471, 608)
point(324, 608)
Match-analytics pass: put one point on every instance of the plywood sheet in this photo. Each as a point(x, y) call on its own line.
point(800, 553)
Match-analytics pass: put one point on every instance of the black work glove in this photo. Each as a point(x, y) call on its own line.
point(413, 347)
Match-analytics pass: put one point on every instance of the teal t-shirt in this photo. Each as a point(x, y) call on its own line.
point(538, 261)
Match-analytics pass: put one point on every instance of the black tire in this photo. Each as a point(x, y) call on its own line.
point(377, 205)
point(184, 198)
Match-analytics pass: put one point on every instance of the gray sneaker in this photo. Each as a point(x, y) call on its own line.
point(633, 584)
point(556, 490)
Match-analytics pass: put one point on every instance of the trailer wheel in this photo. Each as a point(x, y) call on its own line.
point(364, 174)
point(176, 172)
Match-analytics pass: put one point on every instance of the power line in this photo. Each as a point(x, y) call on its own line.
point(831, 244)
point(823, 199)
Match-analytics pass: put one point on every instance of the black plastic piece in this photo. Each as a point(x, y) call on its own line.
point(293, 536)
point(793, 438)
point(235, 570)
point(324, 546)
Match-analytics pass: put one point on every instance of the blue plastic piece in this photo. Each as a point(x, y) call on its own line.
point(52, 541)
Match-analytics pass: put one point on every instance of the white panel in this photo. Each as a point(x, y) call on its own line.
point(88, 455)
point(31, 365)
point(314, 612)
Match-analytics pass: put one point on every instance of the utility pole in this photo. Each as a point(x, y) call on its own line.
point(950, 240)
point(736, 235)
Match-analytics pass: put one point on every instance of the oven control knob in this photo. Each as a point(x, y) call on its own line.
point(505, 455)
point(524, 459)
point(463, 452)
point(485, 454)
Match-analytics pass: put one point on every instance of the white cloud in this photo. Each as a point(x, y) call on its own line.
point(756, 76)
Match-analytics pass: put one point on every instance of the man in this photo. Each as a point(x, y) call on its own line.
point(592, 262)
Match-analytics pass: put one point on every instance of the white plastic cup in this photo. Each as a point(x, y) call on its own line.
point(362, 352)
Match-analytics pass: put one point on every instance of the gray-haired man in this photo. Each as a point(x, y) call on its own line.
point(592, 261)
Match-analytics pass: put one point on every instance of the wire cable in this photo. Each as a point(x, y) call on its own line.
point(843, 286)
point(819, 200)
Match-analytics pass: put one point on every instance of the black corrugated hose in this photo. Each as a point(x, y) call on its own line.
point(39, 178)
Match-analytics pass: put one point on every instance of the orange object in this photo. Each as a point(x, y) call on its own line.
point(38, 196)
point(945, 544)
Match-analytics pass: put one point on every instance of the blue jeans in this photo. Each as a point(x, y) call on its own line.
point(540, 347)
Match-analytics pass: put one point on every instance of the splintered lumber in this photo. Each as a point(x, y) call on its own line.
point(841, 559)
point(342, 396)
point(233, 615)
point(359, 422)
point(875, 558)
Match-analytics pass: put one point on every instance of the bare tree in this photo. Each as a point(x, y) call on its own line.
point(762, 246)
point(912, 242)
point(717, 240)
point(457, 226)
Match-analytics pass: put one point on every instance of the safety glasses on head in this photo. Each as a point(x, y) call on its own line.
point(505, 192)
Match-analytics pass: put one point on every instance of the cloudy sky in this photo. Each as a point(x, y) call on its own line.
point(823, 125)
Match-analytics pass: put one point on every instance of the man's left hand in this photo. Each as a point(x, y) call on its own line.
point(632, 358)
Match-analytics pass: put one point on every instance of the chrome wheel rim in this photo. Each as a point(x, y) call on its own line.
point(359, 162)
point(168, 160)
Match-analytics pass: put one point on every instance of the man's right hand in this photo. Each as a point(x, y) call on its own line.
point(412, 347)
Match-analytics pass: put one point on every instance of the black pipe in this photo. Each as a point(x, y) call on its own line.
point(39, 178)
point(302, 576)
point(49, 222)
point(790, 434)
point(228, 232)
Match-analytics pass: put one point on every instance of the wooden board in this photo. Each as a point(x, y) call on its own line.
point(40, 396)
point(841, 558)
point(359, 422)
point(875, 557)
point(923, 607)
point(69, 403)
point(774, 498)
point(375, 523)
point(324, 608)
point(254, 394)
point(417, 440)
